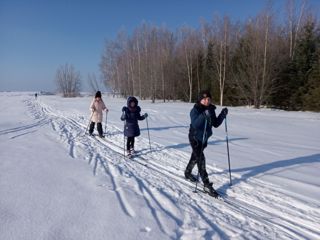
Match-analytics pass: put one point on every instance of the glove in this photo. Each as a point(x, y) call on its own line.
point(123, 116)
point(145, 115)
point(224, 112)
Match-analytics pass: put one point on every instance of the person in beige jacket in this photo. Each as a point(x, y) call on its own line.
point(97, 106)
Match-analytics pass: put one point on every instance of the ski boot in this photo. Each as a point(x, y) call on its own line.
point(207, 187)
point(132, 151)
point(129, 154)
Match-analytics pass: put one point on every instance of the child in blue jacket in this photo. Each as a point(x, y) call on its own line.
point(203, 118)
point(131, 114)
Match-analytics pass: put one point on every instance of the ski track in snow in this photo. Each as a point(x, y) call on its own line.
point(251, 209)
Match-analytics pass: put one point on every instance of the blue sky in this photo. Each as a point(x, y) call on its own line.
point(37, 36)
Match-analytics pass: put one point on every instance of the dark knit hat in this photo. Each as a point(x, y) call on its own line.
point(204, 94)
point(98, 94)
point(132, 99)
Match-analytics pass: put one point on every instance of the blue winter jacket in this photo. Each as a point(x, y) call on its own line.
point(131, 117)
point(198, 119)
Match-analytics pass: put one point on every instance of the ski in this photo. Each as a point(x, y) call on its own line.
point(216, 194)
point(139, 162)
point(135, 158)
point(95, 135)
point(133, 154)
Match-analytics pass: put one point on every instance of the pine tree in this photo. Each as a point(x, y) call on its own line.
point(209, 68)
point(293, 81)
point(200, 71)
point(303, 61)
point(311, 99)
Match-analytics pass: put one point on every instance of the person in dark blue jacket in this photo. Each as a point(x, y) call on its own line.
point(131, 114)
point(203, 118)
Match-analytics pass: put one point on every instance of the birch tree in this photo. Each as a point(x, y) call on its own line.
point(255, 61)
point(295, 16)
point(188, 39)
point(221, 38)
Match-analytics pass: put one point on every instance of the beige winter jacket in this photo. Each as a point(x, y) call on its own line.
point(97, 106)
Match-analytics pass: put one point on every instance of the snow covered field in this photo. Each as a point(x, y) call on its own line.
point(57, 183)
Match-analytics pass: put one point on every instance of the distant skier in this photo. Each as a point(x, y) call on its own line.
point(97, 106)
point(36, 96)
point(203, 118)
point(131, 114)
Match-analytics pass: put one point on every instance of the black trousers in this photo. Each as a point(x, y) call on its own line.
point(130, 143)
point(197, 157)
point(99, 128)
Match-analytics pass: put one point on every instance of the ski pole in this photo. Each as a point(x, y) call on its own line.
point(227, 140)
point(124, 139)
point(148, 133)
point(203, 140)
point(89, 122)
point(105, 125)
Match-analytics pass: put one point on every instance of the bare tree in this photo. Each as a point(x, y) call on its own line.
point(108, 67)
point(164, 51)
point(112, 65)
point(68, 81)
point(188, 39)
point(137, 40)
point(154, 66)
point(256, 60)
point(221, 38)
point(295, 17)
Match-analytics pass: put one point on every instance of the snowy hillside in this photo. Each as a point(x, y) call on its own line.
point(57, 183)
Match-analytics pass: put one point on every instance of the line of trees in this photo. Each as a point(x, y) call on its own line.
point(258, 62)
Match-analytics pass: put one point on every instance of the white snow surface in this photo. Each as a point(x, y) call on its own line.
point(58, 183)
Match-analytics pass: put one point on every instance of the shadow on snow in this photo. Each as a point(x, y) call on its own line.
point(214, 142)
point(264, 168)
